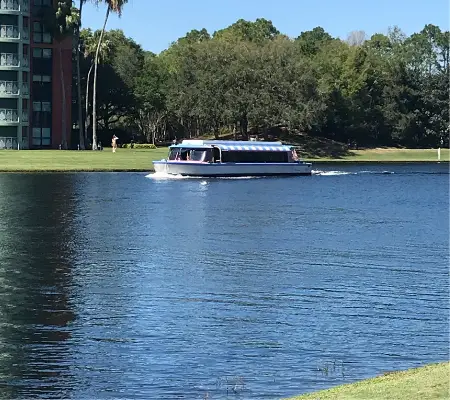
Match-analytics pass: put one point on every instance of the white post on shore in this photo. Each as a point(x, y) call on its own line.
point(439, 154)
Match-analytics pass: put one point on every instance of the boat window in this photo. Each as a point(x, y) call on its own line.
point(202, 155)
point(178, 154)
point(216, 155)
point(186, 154)
point(173, 153)
point(255, 156)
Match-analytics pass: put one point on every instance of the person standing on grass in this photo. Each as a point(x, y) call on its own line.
point(114, 143)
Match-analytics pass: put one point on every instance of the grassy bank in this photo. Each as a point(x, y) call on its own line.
point(141, 160)
point(389, 155)
point(426, 383)
point(58, 160)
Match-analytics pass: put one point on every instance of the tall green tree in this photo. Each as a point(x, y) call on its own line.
point(388, 90)
point(248, 31)
point(310, 42)
point(151, 96)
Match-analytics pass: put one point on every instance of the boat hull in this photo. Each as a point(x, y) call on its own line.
point(232, 169)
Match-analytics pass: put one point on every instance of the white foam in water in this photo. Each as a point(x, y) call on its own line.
point(164, 176)
point(241, 177)
point(331, 173)
point(337, 173)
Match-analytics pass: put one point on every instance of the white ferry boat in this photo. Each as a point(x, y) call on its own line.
point(209, 158)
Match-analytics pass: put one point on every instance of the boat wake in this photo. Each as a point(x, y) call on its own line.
point(338, 173)
point(165, 176)
point(331, 173)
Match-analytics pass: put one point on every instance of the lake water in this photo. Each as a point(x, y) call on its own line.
point(117, 285)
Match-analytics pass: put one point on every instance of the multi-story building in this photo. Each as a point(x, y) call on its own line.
point(33, 67)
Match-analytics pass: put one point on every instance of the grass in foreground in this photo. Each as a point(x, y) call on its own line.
point(141, 160)
point(59, 160)
point(426, 383)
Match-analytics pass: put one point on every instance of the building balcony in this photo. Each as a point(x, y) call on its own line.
point(14, 6)
point(11, 89)
point(9, 6)
point(11, 117)
point(11, 33)
point(10, 61)
point(8, 116)
point(8, 143)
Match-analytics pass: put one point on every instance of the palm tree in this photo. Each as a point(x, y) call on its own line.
point(90, 42)
point(80, 109)
point(62, 23)
point(116, 7)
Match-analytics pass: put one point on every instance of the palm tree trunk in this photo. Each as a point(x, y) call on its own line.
point(94, 99)
point(86, 123)
point(63, 92)
point(80, 106)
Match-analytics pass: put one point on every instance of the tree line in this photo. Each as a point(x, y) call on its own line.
point(250, 79)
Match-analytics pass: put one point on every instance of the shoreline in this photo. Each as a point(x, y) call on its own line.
point(141, 160)
point(151, 170)
point(429, 381)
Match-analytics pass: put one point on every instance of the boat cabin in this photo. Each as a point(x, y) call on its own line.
point(215, 151)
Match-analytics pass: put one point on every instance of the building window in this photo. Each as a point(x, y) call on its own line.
point(41, 107)
point(42, 78)
point(42, 122)
point(40, 35)
point(42, 53)
point(37, 32)
point(42, 136)
point(46, 106)
point(40, 3)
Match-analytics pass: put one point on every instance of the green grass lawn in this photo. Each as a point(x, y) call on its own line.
point(427, 383)
point(141, 160)
point(59, 160)
point(391, 155)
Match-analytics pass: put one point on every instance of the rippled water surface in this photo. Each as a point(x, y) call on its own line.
point(125, 286)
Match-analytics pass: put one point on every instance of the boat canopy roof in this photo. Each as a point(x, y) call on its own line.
point(226, 145)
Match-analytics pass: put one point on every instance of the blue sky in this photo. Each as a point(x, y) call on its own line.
point(156, 23)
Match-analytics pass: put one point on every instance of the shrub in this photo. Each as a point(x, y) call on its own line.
point(138, 146)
